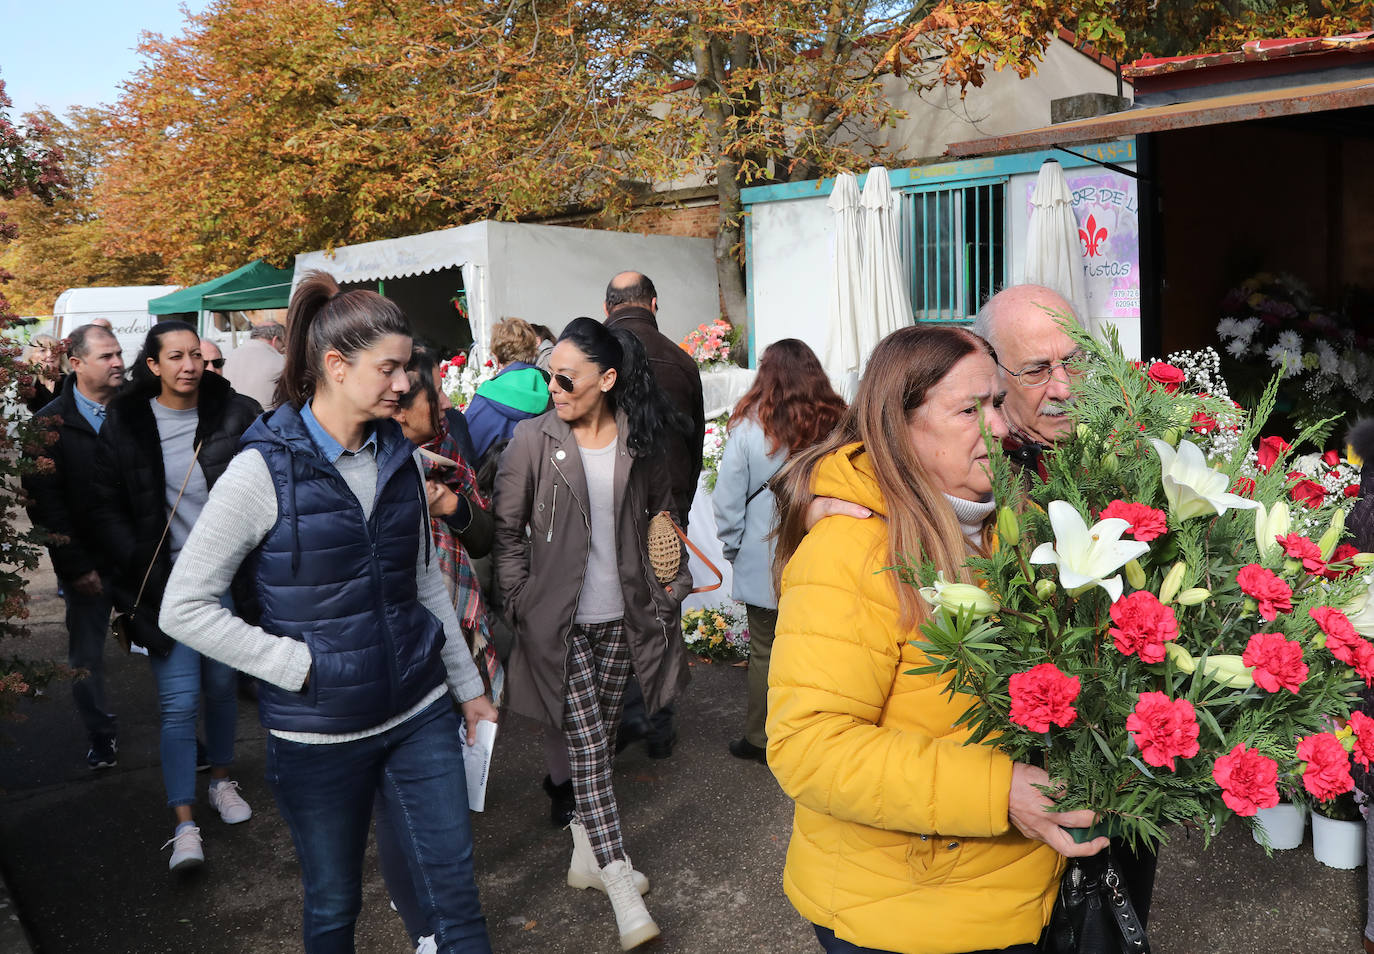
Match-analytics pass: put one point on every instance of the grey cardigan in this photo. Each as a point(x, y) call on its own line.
point(744, 528)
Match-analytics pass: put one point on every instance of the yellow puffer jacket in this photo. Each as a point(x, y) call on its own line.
point(900, 839)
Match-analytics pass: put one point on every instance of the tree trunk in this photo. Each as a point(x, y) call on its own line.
point(729, 273)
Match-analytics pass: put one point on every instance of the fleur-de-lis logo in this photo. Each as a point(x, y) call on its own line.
point(1092, 236)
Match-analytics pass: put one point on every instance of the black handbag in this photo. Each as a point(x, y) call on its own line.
point(1093, 913)
point(139, 626)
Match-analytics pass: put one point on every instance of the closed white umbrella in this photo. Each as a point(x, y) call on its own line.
point(843, 354)
point(1054, 257)
point(884, 295)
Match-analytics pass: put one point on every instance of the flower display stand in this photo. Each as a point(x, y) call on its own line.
point(1337, 844)
point(1284, 824)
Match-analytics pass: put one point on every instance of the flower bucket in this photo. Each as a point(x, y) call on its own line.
point(1284, 824)
point(1337, 844)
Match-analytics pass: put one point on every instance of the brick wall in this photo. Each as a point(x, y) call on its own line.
point(687, 222)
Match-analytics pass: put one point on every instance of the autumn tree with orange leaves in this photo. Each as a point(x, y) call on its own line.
point(29, 166)
point(274, 126)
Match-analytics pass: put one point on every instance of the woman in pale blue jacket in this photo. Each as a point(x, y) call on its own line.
point(790, 407)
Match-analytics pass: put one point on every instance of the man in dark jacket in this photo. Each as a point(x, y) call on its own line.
point(632, 304)
point(59, 499)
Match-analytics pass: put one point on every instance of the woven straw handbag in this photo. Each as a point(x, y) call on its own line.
point(665, 551)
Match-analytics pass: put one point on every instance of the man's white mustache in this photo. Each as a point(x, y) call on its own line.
point(1056, 408)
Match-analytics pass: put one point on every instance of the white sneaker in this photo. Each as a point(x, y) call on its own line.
point(632, 919)
point(427, 945)
point(584, 872)
point(187, 851)
point(229, 803)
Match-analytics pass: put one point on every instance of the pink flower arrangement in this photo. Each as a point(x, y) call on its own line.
point(709, 343)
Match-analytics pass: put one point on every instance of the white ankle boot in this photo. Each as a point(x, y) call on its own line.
point(631, 917)
point(584, 872)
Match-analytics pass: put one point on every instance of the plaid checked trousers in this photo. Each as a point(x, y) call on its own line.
point(598, 669)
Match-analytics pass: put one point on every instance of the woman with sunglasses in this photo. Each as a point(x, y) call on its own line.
point(346, 621)
point(584, 479)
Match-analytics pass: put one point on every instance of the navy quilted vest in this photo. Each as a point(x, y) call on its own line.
point(344, 585)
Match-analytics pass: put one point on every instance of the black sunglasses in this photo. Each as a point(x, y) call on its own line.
point(564, 382)
point(215, 362)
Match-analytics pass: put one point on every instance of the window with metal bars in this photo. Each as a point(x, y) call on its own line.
point(955, 248)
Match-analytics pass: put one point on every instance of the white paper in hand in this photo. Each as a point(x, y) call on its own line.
point(477, 763)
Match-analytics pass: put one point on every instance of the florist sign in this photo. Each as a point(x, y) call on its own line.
point(1105, 206)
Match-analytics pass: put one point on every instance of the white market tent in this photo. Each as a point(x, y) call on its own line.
point(546, 274)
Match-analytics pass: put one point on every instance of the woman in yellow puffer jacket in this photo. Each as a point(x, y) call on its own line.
point(905, 839)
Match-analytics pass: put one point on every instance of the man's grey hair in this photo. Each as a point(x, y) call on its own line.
point(982, 322)
point(79, 342)
point(267, 331)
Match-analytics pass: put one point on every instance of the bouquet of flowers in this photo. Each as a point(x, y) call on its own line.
point(718, 633)
point(460, 378)
point(1170, 622)
point(710, 344)
point(713, 449)
point(1274, 324)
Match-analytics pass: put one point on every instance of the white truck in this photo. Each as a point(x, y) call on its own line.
point(126, 309)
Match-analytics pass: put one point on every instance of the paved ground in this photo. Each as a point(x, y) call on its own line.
point(80, 850)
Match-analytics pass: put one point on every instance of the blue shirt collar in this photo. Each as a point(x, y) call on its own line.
point(330, 448)
point(92, 411)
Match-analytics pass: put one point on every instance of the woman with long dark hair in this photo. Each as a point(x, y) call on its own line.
point(790, 407)
point(574, 497)
point(907, 838)
point(346, 620)
point(167, 439)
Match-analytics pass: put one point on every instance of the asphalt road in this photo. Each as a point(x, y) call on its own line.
point(80, 850)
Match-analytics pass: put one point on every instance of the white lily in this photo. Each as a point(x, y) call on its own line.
point(1086, 555)
point(1192, 488)
point(1360, 610)
point(1270, 524)
point(959, 596)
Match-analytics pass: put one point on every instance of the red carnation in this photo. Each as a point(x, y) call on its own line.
point(1363, 727)
point(1146, 522)
point(1248, 780)
point(1277, 662)
point(1331, 458)
point(1167, 375)
point(1327, 773)
point(1143, 626)
point(1204, 423)
point(1364, 661)
point(1245, 487)
point(460, 359)
point(1164, 729)
point(1352, 490)
point(1270, 449)
point(1042, 696)
point(1341, 639)
point(1340, 557)
point(1309, 492)
point(1273, 595)
point(1301, 548)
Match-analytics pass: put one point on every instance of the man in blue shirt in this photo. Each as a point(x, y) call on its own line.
point(59, 494)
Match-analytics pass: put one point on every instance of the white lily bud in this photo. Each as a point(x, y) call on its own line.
point(953, 597)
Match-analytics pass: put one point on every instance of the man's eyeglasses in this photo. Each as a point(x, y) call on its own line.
point(1036, 375)
point(215, 362)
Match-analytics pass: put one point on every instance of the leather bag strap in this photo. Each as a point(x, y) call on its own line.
point(167, 529)
point(720, 577)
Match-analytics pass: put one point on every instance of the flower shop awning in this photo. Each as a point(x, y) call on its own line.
point(400, 257)
point(255, 285)
point(1239, 107)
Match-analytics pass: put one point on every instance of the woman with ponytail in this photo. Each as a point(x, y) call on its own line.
point(574, 495)
point(345, 620)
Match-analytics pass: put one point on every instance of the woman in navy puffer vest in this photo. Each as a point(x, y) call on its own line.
point(346, 621)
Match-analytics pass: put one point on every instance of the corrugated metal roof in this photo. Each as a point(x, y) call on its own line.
point(1259, 104)
point(1253, 51)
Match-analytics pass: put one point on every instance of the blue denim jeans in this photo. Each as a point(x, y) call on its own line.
point(181, 677)
point(325, 793)
point(88, 630)
point(834, 945)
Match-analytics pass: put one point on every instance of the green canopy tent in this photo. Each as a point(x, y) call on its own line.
point(255, 285)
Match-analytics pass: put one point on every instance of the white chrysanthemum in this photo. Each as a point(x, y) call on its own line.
point(1238, 348)
point(1248, 327)
point(1327, 359)
point(1290, 341)
point(1228, 328)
